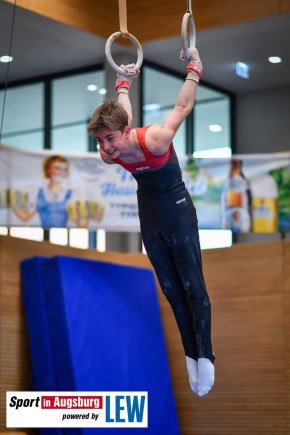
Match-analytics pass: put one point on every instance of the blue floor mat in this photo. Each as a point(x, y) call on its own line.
point(105, 333)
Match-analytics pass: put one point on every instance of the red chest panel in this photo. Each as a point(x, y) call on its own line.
point(151, 162)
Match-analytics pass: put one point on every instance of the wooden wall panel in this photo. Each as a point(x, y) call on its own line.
point(284, 6)
point(286, 279)
point(249, 286)
point(152, 19)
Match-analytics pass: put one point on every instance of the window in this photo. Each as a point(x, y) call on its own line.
point(212, 138)
point(72, 106)
point(211, 128)
point(210, 239)
point(23, 127)
point(160, 93)
point(23, 124)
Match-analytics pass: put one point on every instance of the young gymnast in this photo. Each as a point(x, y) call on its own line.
point(168, 221)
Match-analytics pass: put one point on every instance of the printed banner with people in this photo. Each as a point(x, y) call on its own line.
point(244, 193)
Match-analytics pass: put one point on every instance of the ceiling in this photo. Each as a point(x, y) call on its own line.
point(43, 46)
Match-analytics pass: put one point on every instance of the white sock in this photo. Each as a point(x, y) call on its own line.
point(205, 376)
point(191, 365)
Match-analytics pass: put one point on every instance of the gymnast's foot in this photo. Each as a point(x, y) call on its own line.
point(191, 365)
point(205, 376)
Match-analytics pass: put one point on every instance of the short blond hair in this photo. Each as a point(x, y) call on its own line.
point(108, 116)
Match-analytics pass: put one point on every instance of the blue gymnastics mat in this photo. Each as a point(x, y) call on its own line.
point(104, 333)
point(33, 300)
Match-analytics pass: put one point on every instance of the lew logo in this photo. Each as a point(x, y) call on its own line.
point(142, 168)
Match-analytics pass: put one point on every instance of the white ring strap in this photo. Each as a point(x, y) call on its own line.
point(123, 18)
point(189, 9)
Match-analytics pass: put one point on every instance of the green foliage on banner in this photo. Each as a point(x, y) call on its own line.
point(282, 177)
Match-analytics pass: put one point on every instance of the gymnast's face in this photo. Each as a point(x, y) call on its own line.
point(113, 142)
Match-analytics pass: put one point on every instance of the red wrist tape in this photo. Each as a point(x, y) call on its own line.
point(123, 83)
point(194, 67)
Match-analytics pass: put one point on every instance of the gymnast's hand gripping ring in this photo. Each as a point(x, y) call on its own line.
point(108, 46)
point(187, 17)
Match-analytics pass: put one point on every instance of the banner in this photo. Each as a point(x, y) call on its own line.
point(244, 193)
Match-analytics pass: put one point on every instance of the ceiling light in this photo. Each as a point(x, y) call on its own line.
point(215, 128)
point(6, 59)
point(275, 59)
point(242, 70)
point(92, 88)
point(102, 91)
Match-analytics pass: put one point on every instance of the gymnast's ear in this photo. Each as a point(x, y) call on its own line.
point(126, 131)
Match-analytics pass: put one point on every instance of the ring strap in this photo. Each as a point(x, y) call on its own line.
point(123, 18)
point(189, 9)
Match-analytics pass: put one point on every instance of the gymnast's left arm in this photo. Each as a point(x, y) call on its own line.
point(162, 135)
point(123, 84)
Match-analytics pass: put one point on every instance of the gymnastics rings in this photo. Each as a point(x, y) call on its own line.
point(108, 47)
point(188, 18)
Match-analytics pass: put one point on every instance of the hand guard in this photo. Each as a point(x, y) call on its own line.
point(194, 65)
point(124, 81)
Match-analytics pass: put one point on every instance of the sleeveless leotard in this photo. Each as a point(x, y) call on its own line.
point(155, 174)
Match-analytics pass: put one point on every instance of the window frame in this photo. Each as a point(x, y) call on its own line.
point(189, 122)
point(47, 80)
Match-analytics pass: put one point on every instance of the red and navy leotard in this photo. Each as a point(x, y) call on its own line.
point(169, 229)
point(156, 174)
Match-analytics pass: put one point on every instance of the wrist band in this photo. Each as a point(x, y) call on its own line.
point(192, 75)
point(194, 67)
point(193, 80)
point(122, 83)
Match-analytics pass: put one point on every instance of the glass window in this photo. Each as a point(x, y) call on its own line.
point(160, 94)
point(27, 233)
point(24, 116)
point(101, 240)
point(58, 236)
point(29, 141)
point(74, 138)
point(211, 124)
point(79, 238)
point(210, 239)
point(72, 107)
point(212, 138)
point(23, 127)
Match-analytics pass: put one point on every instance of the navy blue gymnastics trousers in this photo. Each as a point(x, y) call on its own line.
point(169, 230)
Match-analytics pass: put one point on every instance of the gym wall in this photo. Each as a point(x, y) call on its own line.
point(249, 287)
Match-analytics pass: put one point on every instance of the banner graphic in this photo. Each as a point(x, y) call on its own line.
point(244, 193)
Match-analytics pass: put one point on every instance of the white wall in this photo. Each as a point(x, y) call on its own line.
point(263, 121)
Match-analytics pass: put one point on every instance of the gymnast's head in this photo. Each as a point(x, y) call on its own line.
point(109, 125)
